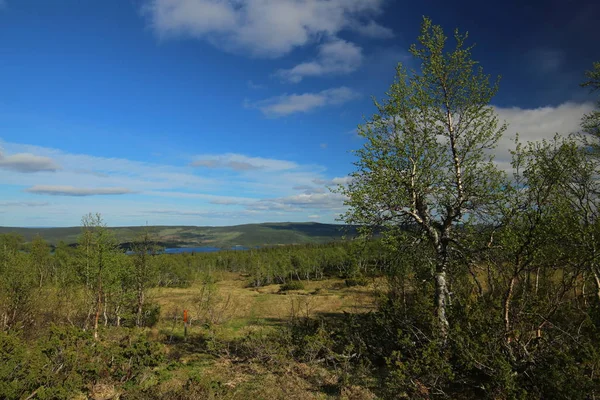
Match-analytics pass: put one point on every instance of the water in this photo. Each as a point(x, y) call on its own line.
point(180, 250)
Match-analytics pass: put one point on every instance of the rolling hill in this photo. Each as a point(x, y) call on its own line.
point(194, 236)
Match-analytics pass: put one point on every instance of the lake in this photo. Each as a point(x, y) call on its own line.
point(179, 250)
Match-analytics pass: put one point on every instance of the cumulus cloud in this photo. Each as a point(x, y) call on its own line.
point(240, 162)
point(76, 191)
point(27, 163)
point(264, 28)
point(288, 104)
point(531, 124)
point(335, 57)
point(537, 124)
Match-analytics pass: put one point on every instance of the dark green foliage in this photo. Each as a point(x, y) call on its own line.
point(18, 288)
point(68, 360)
point(292, 285)
point(358, 281)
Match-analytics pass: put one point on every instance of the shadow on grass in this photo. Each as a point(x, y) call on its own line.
point(330, 389)
point(199, 340)
point(180, 345)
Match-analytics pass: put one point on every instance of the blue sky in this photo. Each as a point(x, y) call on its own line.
point(215, 112)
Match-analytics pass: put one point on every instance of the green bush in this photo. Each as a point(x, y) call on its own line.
point(151, 314)
point(350, 282)
point(67, 361)
point(292, 285)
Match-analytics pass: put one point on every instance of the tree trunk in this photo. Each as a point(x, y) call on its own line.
point(97, 317)
point(98, 298)
point(118, 315)
point(597, 280)
point(105, 311)
point(507, 301)
point(441, 291)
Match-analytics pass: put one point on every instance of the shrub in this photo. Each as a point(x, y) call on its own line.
point(356, 282)
point(151, 314)
point(292, 285)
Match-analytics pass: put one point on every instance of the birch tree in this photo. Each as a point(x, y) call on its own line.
point(100, 245)
point(426, 160)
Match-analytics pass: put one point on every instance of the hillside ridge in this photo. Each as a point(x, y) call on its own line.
point(258, 234)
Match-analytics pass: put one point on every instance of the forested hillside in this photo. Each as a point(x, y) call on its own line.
point(195, 236)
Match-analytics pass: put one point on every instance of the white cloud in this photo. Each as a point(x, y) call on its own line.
point(83, 170)
point(335, 57)
point(28, 163)
point(307, 189)
point(314, 216)
point(240, 162)
point(297, 103)
point(317, 201)
point(537, 124)
point(266, 28)
point(236, 189)
point(531, 124)
point(76, 191)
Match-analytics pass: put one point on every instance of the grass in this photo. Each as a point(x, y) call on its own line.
point(246, 310)
point(232, 358)
point(239, 306)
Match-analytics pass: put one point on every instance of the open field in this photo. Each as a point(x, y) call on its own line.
point(210, 357)
point(238, 309)
point(234, 345)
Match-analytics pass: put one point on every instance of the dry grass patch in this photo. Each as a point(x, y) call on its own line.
point(239, 309)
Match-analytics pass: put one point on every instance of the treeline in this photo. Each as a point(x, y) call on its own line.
point(97, 283)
